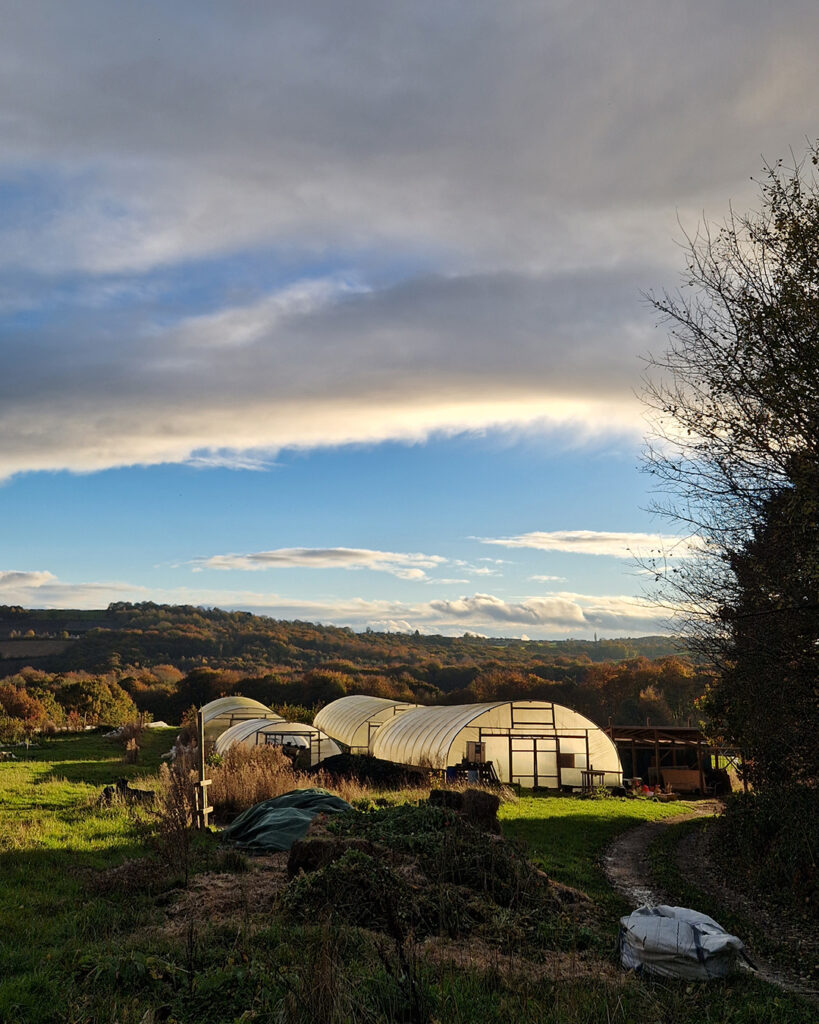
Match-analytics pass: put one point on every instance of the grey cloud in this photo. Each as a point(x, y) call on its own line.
point(484, 124)
point(430, 354)
point(532, 154)
point(486, 607)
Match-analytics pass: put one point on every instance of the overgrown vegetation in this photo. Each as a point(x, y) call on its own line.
point(769, 842)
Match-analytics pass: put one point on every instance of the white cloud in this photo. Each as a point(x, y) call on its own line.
point(595, 542)
point(404, 566)
point(40, 589)
point(548, 579)
point(551, 615)
point(13, 580)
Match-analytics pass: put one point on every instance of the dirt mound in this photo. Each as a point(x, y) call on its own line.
point(372, 771)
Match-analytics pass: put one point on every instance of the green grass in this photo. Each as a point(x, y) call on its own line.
point(51, 836)
point(69, 956)
point(567, 836)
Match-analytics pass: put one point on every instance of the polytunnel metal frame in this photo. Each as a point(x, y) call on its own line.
point(345, 718)
point(431, 733)
point(243, 730)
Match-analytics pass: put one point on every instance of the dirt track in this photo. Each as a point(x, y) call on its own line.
point(627, 868)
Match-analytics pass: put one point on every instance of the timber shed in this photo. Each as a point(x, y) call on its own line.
point(681, 757)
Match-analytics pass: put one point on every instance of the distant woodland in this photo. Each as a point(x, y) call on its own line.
point(68, 669)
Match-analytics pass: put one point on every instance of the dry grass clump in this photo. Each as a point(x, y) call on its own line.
point(248, 775)
point(177, 812)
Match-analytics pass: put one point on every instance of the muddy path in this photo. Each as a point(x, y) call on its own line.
point(628, 870)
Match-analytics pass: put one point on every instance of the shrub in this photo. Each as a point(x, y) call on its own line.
point(770, 841)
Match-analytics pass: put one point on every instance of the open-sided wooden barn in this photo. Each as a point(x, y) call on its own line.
point(679, 757)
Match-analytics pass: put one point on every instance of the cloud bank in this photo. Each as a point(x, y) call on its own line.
point(261, 227)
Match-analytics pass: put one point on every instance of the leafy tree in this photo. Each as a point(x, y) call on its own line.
point(768, 692)
point(736, 457)
point(99, 701)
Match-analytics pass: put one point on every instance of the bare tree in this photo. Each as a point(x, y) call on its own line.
point(734, 406)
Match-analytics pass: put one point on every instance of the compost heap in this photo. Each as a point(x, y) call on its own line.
point(423, 870)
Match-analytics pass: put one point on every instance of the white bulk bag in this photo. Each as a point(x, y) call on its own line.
point(677, 943)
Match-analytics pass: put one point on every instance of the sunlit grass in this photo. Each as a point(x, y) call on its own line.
point(567, 835)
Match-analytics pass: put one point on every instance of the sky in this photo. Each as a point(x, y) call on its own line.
point(336, 311)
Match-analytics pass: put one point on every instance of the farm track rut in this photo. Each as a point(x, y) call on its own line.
point(628, 869)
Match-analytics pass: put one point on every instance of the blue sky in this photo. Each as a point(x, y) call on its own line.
point(335, 311)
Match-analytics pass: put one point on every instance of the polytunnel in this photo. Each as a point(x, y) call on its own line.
point(222, 713)
point(533, 743)
point(354, 720)
point(259, 732)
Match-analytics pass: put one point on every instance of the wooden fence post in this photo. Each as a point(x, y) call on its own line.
point(202, 807)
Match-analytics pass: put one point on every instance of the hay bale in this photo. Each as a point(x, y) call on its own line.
point(481, 809)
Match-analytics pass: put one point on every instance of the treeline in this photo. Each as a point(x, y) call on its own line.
point(663, 691)
point(188, 637)
point(161, 660)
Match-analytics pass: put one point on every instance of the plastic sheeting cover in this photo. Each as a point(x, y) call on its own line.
point(277, 823)
point(677, 943)
point(353, 720)
point(259, 731)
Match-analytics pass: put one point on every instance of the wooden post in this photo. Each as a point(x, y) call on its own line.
point(658, 781)
point(699, 766)
point(202, 808)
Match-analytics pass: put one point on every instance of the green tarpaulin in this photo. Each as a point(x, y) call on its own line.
point(277, 823)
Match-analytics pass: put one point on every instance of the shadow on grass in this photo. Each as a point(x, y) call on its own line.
point(49, 918)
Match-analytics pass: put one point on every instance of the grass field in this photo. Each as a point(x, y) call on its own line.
point(72, 954)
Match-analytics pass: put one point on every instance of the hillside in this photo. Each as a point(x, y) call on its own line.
point(187, 636)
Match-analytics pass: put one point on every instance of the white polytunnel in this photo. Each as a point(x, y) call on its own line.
point(222, 713)
point(260, 731)
point(529, 742)
point(354, 720)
